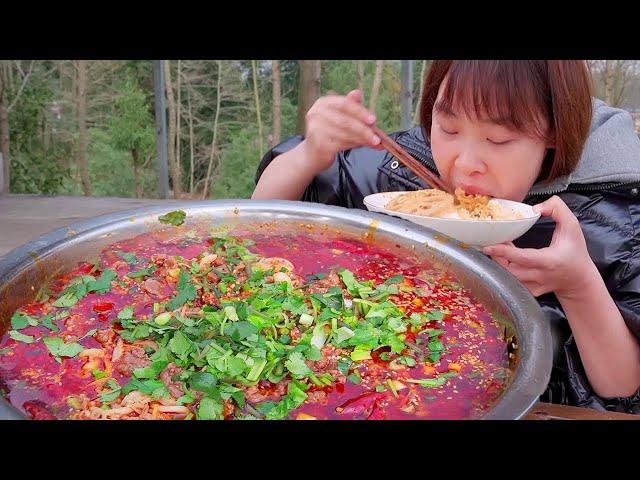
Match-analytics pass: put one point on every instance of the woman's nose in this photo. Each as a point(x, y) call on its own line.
point(470, 163)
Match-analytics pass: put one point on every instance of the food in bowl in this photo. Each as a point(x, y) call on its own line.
point(460, 205)
point(193, 323)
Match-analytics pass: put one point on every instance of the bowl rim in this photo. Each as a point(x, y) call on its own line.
point(411, 216)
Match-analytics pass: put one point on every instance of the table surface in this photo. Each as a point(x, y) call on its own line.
point(25, 217)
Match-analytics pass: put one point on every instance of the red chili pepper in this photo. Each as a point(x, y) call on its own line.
point(103, 307)
point(33, 309)
point(85, 268)
point(37, 410)
point(377, 413)
point(361, 406)
point(375, 355)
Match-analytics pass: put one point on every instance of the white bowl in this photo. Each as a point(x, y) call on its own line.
point(477, 233)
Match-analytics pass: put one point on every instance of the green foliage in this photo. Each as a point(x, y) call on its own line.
point(111, 170)
point(121, 122)
point(239, 164)
point(37, 163)
point(132, 127)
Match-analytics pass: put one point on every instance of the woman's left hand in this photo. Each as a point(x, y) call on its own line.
point(564, 267)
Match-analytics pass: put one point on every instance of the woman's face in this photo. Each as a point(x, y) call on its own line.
point(483, 157)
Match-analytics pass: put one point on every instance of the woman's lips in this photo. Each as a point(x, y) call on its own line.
point(473, 190)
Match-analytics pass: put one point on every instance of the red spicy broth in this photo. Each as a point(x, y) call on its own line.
point(474, 360)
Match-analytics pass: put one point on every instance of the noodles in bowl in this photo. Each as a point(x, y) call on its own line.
point(436, 203)
point(476, 220)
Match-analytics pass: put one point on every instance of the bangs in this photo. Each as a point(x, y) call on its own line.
point(513, 94)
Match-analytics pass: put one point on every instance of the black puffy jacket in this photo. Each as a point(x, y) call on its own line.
point(609, 214)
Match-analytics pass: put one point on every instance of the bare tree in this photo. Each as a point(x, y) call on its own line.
point(236, 104)
point(309, 90)
point(6, 84)
point(257, 99)
point(406, 94)
point(191, 165)
point(81, 112)
point(423, 75)
point(136, 172)
point(375, 88)
point(360, 69)
point(178, 115)
point(171, 107)
point(622, 74)
point(4, 132)
point(205, 191)
point(277, 114)
point(612, 78)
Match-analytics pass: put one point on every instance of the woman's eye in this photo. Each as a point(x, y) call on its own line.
point(448, 132)
point(499, 142)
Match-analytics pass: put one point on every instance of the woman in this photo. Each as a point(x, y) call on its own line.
point(525, 131)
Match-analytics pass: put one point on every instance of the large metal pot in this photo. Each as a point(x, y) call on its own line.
point(24, 269)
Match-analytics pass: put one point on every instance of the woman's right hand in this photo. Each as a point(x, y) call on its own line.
point(335, 123)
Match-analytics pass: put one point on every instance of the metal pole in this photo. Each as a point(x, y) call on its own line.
point(161, 128)
point(406, 75)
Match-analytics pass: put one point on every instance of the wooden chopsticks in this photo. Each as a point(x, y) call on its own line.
point(411, 163)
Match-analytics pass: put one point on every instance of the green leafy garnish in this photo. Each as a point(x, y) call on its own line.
point(84, 285)
point(47, 320)
point(186, 292)
point(153, 387)
point(344, 364)
point(295, 397)
point(112, 394)
point(210, 409)
point(435, 315)
point(66, 300)
point(203, 382)
point(143, 272)
point(20, 320)
point(103, 283)
point(297, 366)
point(180, 345)
point(429, 382)
point(59, 348)
point(396, 279)
point(21, 337)
point(130, 258)
point(173, 218)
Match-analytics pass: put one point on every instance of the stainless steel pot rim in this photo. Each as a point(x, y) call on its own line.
point(535, 347)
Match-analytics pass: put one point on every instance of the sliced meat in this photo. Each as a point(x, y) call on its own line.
point(329, 363)
point(162, 260)
point(317, 396)
point(105, 337)
point(266, 390)
point(325, 284)
point(133, 358)
point(229, 408)
point(209, 298)
point(152, 286)
point(174, 386)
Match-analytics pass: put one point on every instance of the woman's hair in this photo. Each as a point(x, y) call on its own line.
point(518, 94)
